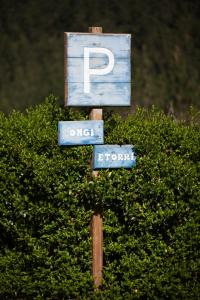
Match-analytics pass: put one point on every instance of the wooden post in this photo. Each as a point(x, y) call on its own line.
point(97, 221)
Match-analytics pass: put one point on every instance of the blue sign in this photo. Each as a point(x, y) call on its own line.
point(113, 156)
point(80, 133)
point(97, 69)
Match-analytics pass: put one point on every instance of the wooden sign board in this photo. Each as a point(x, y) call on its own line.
point(113, 156)
point(80, 133)
point(97, 69)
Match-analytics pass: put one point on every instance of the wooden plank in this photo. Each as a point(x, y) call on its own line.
point(65, 71)
point(80, 133)
point(102, 94)
point(120, 72)
point(119, 44)
point(113, 156)
point(97, 69)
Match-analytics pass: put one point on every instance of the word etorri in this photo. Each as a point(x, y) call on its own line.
point(115, 156)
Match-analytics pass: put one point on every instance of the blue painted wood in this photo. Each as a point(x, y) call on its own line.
point(119, 74)
point(102, 94)
point(119, 44)
point(113, 156)
point(110, 89)
point(80, 133)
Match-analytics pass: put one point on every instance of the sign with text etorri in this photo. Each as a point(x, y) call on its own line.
point(72, 133)
point(113, 156)
point(97, 69)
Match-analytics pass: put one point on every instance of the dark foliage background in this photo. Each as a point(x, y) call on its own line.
point(165, 54)
point(151, 212)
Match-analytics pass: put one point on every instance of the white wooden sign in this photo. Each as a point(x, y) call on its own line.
point(97, 69)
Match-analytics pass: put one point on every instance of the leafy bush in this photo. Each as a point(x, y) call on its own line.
point(151, 212)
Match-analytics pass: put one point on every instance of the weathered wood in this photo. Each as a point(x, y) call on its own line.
point(113, 156)
point(65, 71)
point(80, 133)
point(119, 43)
point(95, 29)
point(120, 73)
point(118, 94)
point(97, 225)
point(96, 114)
point(97, 248)
point(97, 69)
point(97, 221)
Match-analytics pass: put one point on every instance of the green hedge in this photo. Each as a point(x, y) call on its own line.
point(151, 213)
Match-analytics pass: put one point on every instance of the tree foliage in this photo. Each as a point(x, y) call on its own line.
point(151, 212)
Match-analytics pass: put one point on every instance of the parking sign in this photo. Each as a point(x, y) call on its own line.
point(97, 69)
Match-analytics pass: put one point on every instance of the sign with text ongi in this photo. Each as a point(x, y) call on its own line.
point(72, 133)
point(97, 69)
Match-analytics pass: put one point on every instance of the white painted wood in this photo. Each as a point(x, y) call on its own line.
point(113, 156)
point(97, 69)
point(119, 44)
point(119, 73)
point(102, 94)
point(89, 70)
point(72, 133)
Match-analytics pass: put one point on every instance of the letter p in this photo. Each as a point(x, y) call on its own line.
point(88, 71)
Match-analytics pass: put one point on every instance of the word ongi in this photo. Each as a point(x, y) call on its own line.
point(80, 132)
point(115, 156)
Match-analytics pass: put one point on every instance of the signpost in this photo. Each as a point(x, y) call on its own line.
point(97, 73)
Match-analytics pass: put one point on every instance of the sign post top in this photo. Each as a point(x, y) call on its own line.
point(97, 69)
point(95, 29)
